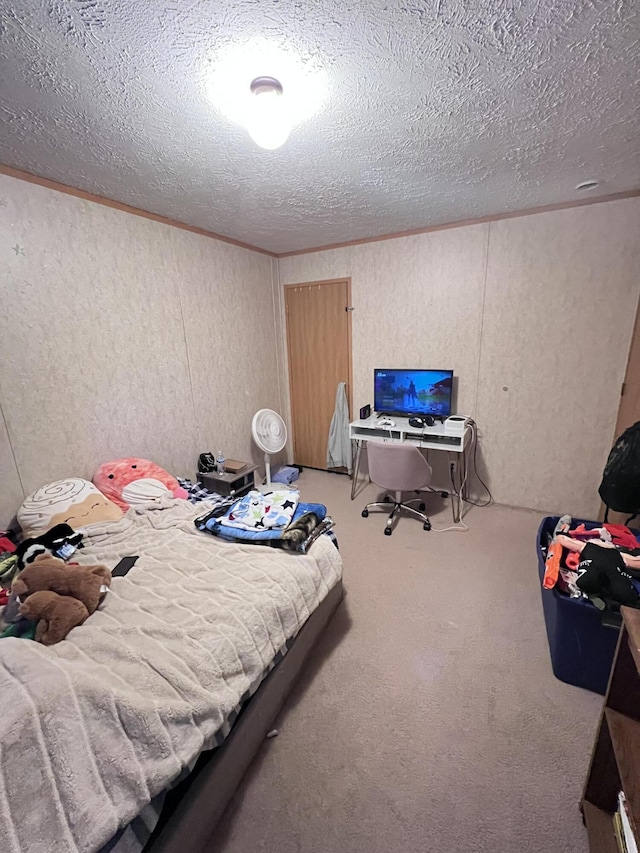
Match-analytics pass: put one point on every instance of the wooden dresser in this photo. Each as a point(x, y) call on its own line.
point(615, 763)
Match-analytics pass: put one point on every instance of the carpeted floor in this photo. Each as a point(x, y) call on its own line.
point(429, 720)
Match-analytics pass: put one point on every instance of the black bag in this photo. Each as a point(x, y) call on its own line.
point(620, 486)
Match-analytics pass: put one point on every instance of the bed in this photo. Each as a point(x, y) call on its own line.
point(163, 695)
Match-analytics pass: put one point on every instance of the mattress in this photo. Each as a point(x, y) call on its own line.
point(133, 837)
point(99, 725)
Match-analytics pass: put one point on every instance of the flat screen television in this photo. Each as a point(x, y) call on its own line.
point(412, 392)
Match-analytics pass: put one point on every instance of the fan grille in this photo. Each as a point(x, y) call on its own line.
point(269, 431)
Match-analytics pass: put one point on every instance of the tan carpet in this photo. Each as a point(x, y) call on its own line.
point(429, 720)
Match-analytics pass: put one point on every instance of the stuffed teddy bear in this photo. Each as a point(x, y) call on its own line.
point(47, 573)
point(55, 614)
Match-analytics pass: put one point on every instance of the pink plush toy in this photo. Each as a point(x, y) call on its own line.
point(135, 481)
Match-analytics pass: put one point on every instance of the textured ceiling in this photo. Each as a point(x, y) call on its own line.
point(433, 111)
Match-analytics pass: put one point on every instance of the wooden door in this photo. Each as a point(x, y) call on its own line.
point(319, 348)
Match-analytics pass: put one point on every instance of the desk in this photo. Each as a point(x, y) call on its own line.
point(437, 437)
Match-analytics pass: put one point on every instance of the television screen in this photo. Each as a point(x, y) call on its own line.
point(413, 392)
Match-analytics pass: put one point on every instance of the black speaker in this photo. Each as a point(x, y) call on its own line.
point(365, 412)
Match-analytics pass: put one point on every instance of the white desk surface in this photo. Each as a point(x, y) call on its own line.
point(430, 437)
point(401, 425)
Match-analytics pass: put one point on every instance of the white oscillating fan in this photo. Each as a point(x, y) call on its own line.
point(270, 434)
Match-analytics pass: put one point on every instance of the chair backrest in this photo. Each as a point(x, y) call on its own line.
point(398, 467)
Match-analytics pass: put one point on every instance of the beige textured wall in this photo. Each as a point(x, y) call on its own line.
point(541, 305)
point(123, 336)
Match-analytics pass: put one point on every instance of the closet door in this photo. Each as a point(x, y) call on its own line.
point(319, 349)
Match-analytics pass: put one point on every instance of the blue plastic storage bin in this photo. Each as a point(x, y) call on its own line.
point(581, 647)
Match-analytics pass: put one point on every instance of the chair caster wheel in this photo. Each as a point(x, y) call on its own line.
point(422, 507)
point(365, 513)
point(388, 531)
point(426, 525)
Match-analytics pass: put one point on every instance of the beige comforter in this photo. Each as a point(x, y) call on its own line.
point(92, 728)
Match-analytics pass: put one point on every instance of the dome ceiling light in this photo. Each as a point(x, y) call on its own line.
point(268, 122)
point(266, 87)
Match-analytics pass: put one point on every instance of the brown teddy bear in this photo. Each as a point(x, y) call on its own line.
point(59, 596)
point(49, 573)
point(55, 614)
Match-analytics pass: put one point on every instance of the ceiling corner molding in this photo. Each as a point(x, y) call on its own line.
point(413, 232)
point(125, 208)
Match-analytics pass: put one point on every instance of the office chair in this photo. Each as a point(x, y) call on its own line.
point(398, 468)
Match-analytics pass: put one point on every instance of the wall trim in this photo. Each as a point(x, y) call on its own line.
point(125, 208)
point(463, 223)
point(412, 232)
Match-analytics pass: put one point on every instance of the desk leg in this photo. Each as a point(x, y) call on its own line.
point(356, 468)
point(456, 495)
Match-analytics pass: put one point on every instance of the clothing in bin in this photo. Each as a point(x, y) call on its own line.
point(587, 570)
point(598, 563)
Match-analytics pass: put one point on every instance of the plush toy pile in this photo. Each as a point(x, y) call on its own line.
point(44, 596)
point(59, 596)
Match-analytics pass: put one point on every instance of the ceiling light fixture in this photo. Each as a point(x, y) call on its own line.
point(268, 122)
point(587, 185)
point(297, 91)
